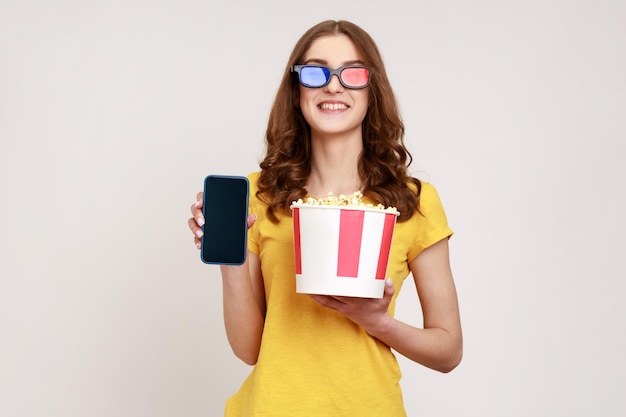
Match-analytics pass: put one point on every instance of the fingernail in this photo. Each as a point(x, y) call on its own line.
point(199, 233)
point(389, 282)
point(200, 221)
point(198, 245)
point(197, 204)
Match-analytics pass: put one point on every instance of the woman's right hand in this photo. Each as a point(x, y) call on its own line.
point(196, 221)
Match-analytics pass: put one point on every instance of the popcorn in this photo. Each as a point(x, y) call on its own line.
point(353, 200)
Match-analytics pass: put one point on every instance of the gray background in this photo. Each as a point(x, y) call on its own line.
point(112, 113)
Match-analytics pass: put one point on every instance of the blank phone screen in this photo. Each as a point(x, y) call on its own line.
point(225, 209)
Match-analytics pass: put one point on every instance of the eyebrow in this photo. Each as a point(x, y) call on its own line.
point(324, 62)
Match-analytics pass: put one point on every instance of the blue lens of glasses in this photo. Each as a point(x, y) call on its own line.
point(314, 76)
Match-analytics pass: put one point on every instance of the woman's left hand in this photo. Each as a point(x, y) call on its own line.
point(369, 313)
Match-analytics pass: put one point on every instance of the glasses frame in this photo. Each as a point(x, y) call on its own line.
point(336, 71)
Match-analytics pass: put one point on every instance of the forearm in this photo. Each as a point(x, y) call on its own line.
point(436, 348)
point(243, 317)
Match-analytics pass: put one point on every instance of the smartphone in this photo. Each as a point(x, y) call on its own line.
point(225, 209)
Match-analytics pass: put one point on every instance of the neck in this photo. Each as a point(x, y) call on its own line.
point(334, 166)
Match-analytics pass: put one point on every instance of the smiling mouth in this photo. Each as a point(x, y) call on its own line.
point(333, 106)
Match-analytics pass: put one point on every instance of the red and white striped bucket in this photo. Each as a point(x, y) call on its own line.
point(342, 251)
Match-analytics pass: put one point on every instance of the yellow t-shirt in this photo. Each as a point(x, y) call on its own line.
point(313, 361)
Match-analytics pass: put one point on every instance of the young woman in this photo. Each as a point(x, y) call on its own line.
point(335, 126)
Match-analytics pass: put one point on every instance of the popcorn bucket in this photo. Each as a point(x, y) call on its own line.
point(342, 251)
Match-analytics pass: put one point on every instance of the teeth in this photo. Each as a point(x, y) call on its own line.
point(333, 106)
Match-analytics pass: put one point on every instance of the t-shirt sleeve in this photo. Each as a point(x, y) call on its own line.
point(431, 225)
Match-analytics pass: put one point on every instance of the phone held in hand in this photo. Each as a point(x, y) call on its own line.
point(225, 209)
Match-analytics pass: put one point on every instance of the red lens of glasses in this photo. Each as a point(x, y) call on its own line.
point(355, 77)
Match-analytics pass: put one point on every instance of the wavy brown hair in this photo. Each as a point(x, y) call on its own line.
point(384, 160)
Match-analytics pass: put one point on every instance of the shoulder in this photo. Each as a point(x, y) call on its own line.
point(253, 179)
point(255, 202)
point(428, 193)
point(430, 206)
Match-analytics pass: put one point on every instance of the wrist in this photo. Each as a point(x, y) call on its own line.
point(383, 325)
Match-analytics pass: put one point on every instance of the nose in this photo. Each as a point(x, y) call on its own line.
point(334, 85)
